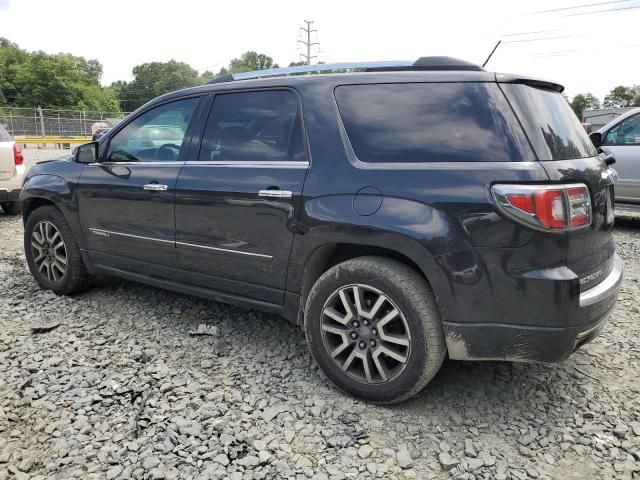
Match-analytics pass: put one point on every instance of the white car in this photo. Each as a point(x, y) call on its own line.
point(12, 172)
point(621, 138)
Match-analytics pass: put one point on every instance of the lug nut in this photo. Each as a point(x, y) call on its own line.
point(354, 335)
point(356, 324)
point(362, 344)
point(373, 343)
point(366, 322)
point(374, 331)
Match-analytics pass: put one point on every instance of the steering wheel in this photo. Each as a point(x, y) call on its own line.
point(171, 147)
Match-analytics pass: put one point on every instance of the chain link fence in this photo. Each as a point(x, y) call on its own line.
point(42, 122)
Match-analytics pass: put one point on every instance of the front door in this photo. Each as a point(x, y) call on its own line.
point(237, 204)
point(623, 140)
point(126, 200)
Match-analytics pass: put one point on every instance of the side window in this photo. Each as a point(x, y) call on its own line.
point(154, 136)
point(626, 132)
point(253, 127)
point(431, 122)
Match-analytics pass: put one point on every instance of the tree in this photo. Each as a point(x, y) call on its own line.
point(29, 79)
point(582, 102)
point(622, 96)
point(250, 61)
point(153, 79)
point(298, 63)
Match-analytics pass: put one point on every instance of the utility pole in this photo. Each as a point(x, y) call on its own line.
point(308, 43)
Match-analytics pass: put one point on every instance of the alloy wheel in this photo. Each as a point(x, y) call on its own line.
point(49, 251)
point(365, 333)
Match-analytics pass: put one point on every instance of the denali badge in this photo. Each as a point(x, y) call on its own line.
point(588, 278)
point(100, 233)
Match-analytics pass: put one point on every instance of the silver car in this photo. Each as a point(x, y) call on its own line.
point(621, 138)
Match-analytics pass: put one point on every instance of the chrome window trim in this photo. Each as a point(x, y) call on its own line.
point(226, 250)
point(107, 233)
point(607, 287)
point(248, 163)
point(152, 164)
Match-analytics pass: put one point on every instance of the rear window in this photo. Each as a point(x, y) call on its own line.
point(552, 127)
point(431, 122)
point(4, 135)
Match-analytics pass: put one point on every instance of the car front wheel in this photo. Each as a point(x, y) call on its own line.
point(52, 253)
point(373, 327)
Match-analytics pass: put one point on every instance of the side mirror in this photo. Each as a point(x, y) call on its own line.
point(87, 153)
point(596, 139)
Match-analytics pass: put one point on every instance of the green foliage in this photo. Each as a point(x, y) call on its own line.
point(29, 79)
point(582, 102)
point(250, 61)
point(622, 96)
point(153, 79)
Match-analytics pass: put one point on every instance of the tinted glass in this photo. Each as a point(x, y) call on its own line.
point(552, 127)
point(431, 122)
point(4, 135)
point(627, 132)
point(253, 127)
point(156, 135)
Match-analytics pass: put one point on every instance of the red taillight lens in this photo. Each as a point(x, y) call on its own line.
point(557, 207)
point(18, 157)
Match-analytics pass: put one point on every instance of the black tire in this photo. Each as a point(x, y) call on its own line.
point(411, 295)
point(76, 278)
point(12, 208)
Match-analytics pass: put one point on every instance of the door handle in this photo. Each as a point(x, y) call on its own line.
point(155, 187)
point(275, 193)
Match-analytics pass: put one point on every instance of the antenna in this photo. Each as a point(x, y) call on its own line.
point(491, 54)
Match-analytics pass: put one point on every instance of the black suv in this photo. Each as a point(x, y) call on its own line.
point(397, 211)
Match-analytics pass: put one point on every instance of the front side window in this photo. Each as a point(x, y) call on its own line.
point(431, 122)
point(260, 126)
point(156, 135)
point(627, 132)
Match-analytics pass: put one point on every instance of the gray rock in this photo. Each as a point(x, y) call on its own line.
point(365, 451)
point(447, 460)
point(222, 459)
point(404, 458)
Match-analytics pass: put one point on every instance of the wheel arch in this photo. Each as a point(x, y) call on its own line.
point(327, 255)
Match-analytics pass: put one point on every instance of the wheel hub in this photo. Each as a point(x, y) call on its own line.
point(49, 251)
point(365, 334)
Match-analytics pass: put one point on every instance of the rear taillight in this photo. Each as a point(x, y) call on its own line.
point(18, 157)
point(546, 207)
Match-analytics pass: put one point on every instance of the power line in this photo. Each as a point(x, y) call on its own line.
point(578, 6)
point(308, 43)
point(602, 11)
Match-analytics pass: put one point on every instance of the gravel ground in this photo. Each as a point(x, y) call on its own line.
point(120, 389)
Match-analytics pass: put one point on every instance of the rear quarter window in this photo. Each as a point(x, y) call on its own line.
point(554, 130)
point(431, 122)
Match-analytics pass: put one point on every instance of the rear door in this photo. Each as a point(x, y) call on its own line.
point(126, 200)
point(567, 154)
point(236, 205)
point(7, 165)
point(623, 140)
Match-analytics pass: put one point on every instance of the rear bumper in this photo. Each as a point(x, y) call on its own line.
point(490, 341)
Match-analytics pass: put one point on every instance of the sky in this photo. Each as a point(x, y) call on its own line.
point(586, 45)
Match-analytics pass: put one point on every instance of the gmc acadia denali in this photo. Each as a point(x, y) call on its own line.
point(397, 211)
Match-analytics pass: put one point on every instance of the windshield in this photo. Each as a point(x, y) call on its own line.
point(552, 127)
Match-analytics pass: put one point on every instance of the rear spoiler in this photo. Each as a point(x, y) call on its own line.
point(533, 82)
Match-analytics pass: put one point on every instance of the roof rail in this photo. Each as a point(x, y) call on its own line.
point(423, 63)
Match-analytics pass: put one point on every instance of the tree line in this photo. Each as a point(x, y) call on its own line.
point(620, 96)
point(65, 81)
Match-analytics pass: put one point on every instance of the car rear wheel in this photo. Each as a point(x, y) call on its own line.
point(11, 208)
point(52, 253)
point(373, 327)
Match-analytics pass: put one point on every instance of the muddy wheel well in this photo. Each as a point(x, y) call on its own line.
point(326, 256)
